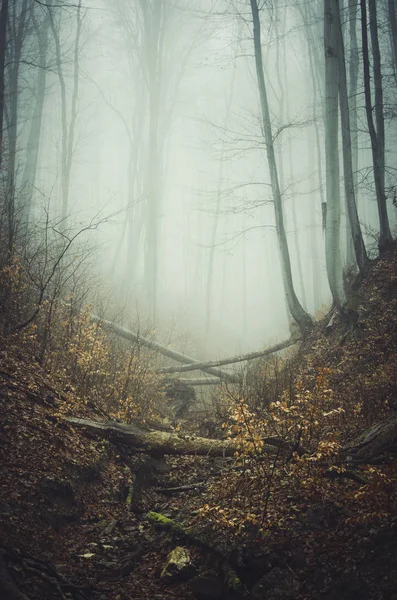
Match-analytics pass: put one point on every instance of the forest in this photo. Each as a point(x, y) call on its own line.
point(198, 293)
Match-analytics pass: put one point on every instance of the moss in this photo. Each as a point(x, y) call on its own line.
point(166, 522)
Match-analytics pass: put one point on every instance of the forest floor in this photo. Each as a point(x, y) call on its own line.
point(70, 529)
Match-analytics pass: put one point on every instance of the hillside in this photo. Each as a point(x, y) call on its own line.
point(73, 506)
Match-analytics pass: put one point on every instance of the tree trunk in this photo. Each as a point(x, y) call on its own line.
point(153, 25)
point(377, 135)
point(391, 5)
point(16, 53)
point(3, 45)
point(353, 81)
point(332, 229)
point(211, 259)
point(32, 150)
point(354, 224)
point(296, 309)
point(169, 352)
point(232, 360)
point(68, 127)
point(156, 443)
point(374, 443)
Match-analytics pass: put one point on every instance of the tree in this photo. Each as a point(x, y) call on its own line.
point(332, 229)
point(354, 63)
point(19, 18)
point(68, 122)
point(376, 132)
point(3, 46)
point(297, 311)
point(32, 149)
point(350, 196)
point(391, 5)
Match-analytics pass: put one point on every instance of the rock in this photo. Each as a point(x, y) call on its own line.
point(59, 505)
point(276, 585)
point(182, 397)
point(178, 566)
point(207, 587)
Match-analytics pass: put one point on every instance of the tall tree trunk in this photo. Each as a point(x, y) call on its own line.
point(3, 45)
point(377, 134)
point(211, 259)
point(281, 67)
point(15, 59)
point(353, 82)
point(391, 6)
point(154, 20)
point(356, 234)
point(32, 150)
point(332, 229)
point(297, 311)
point(73, 114)
point(315, 144)
point(68, 125)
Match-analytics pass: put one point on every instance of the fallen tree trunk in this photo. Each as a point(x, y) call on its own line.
point(374, 443)
point(199, 381)
point(131, 336)
point(158, 443)
point(232, 360)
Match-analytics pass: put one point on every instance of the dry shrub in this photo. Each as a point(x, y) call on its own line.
point(100, 369)
point(270, 486)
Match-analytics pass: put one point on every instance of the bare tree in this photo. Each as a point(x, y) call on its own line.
point(68, 121)
point(32, 149)
point(391, 5)
point(350, 194)
point(3, 46)
point(297, 311)
point(18, 20)
point(377, 133)
point(332, 230)
point(354, 62)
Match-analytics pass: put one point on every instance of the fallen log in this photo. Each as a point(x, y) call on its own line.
point(180, 488)
point(131, 336)
point(374, 443)
point(158, 443)
point(155, 443)
point(200, 381)
point(231, 360)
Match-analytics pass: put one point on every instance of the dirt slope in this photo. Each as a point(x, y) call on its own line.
point(67, 529)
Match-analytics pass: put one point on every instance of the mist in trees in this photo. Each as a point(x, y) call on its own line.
point(227, 167)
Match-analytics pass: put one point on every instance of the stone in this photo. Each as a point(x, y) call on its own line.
point(275, 585)
point(178, 566)
point(207, 587)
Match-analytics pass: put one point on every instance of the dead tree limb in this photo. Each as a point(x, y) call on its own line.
point(228, 361)
point(200, 381)
point(374, 443)
point(131, 336)
point(158, 443)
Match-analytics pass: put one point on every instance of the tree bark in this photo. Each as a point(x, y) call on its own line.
point(156, 443)
point(350, 196)
point(169, 352)
point(32, 150)
point(374, 443)
point(297, 311)
point(377, 135)
point(231, 360)
point(354, 64)
point(3, 45)
point(332, 228)
point(68, 127)
point(393, 31)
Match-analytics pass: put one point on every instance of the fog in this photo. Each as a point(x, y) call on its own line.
point(155, 104)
